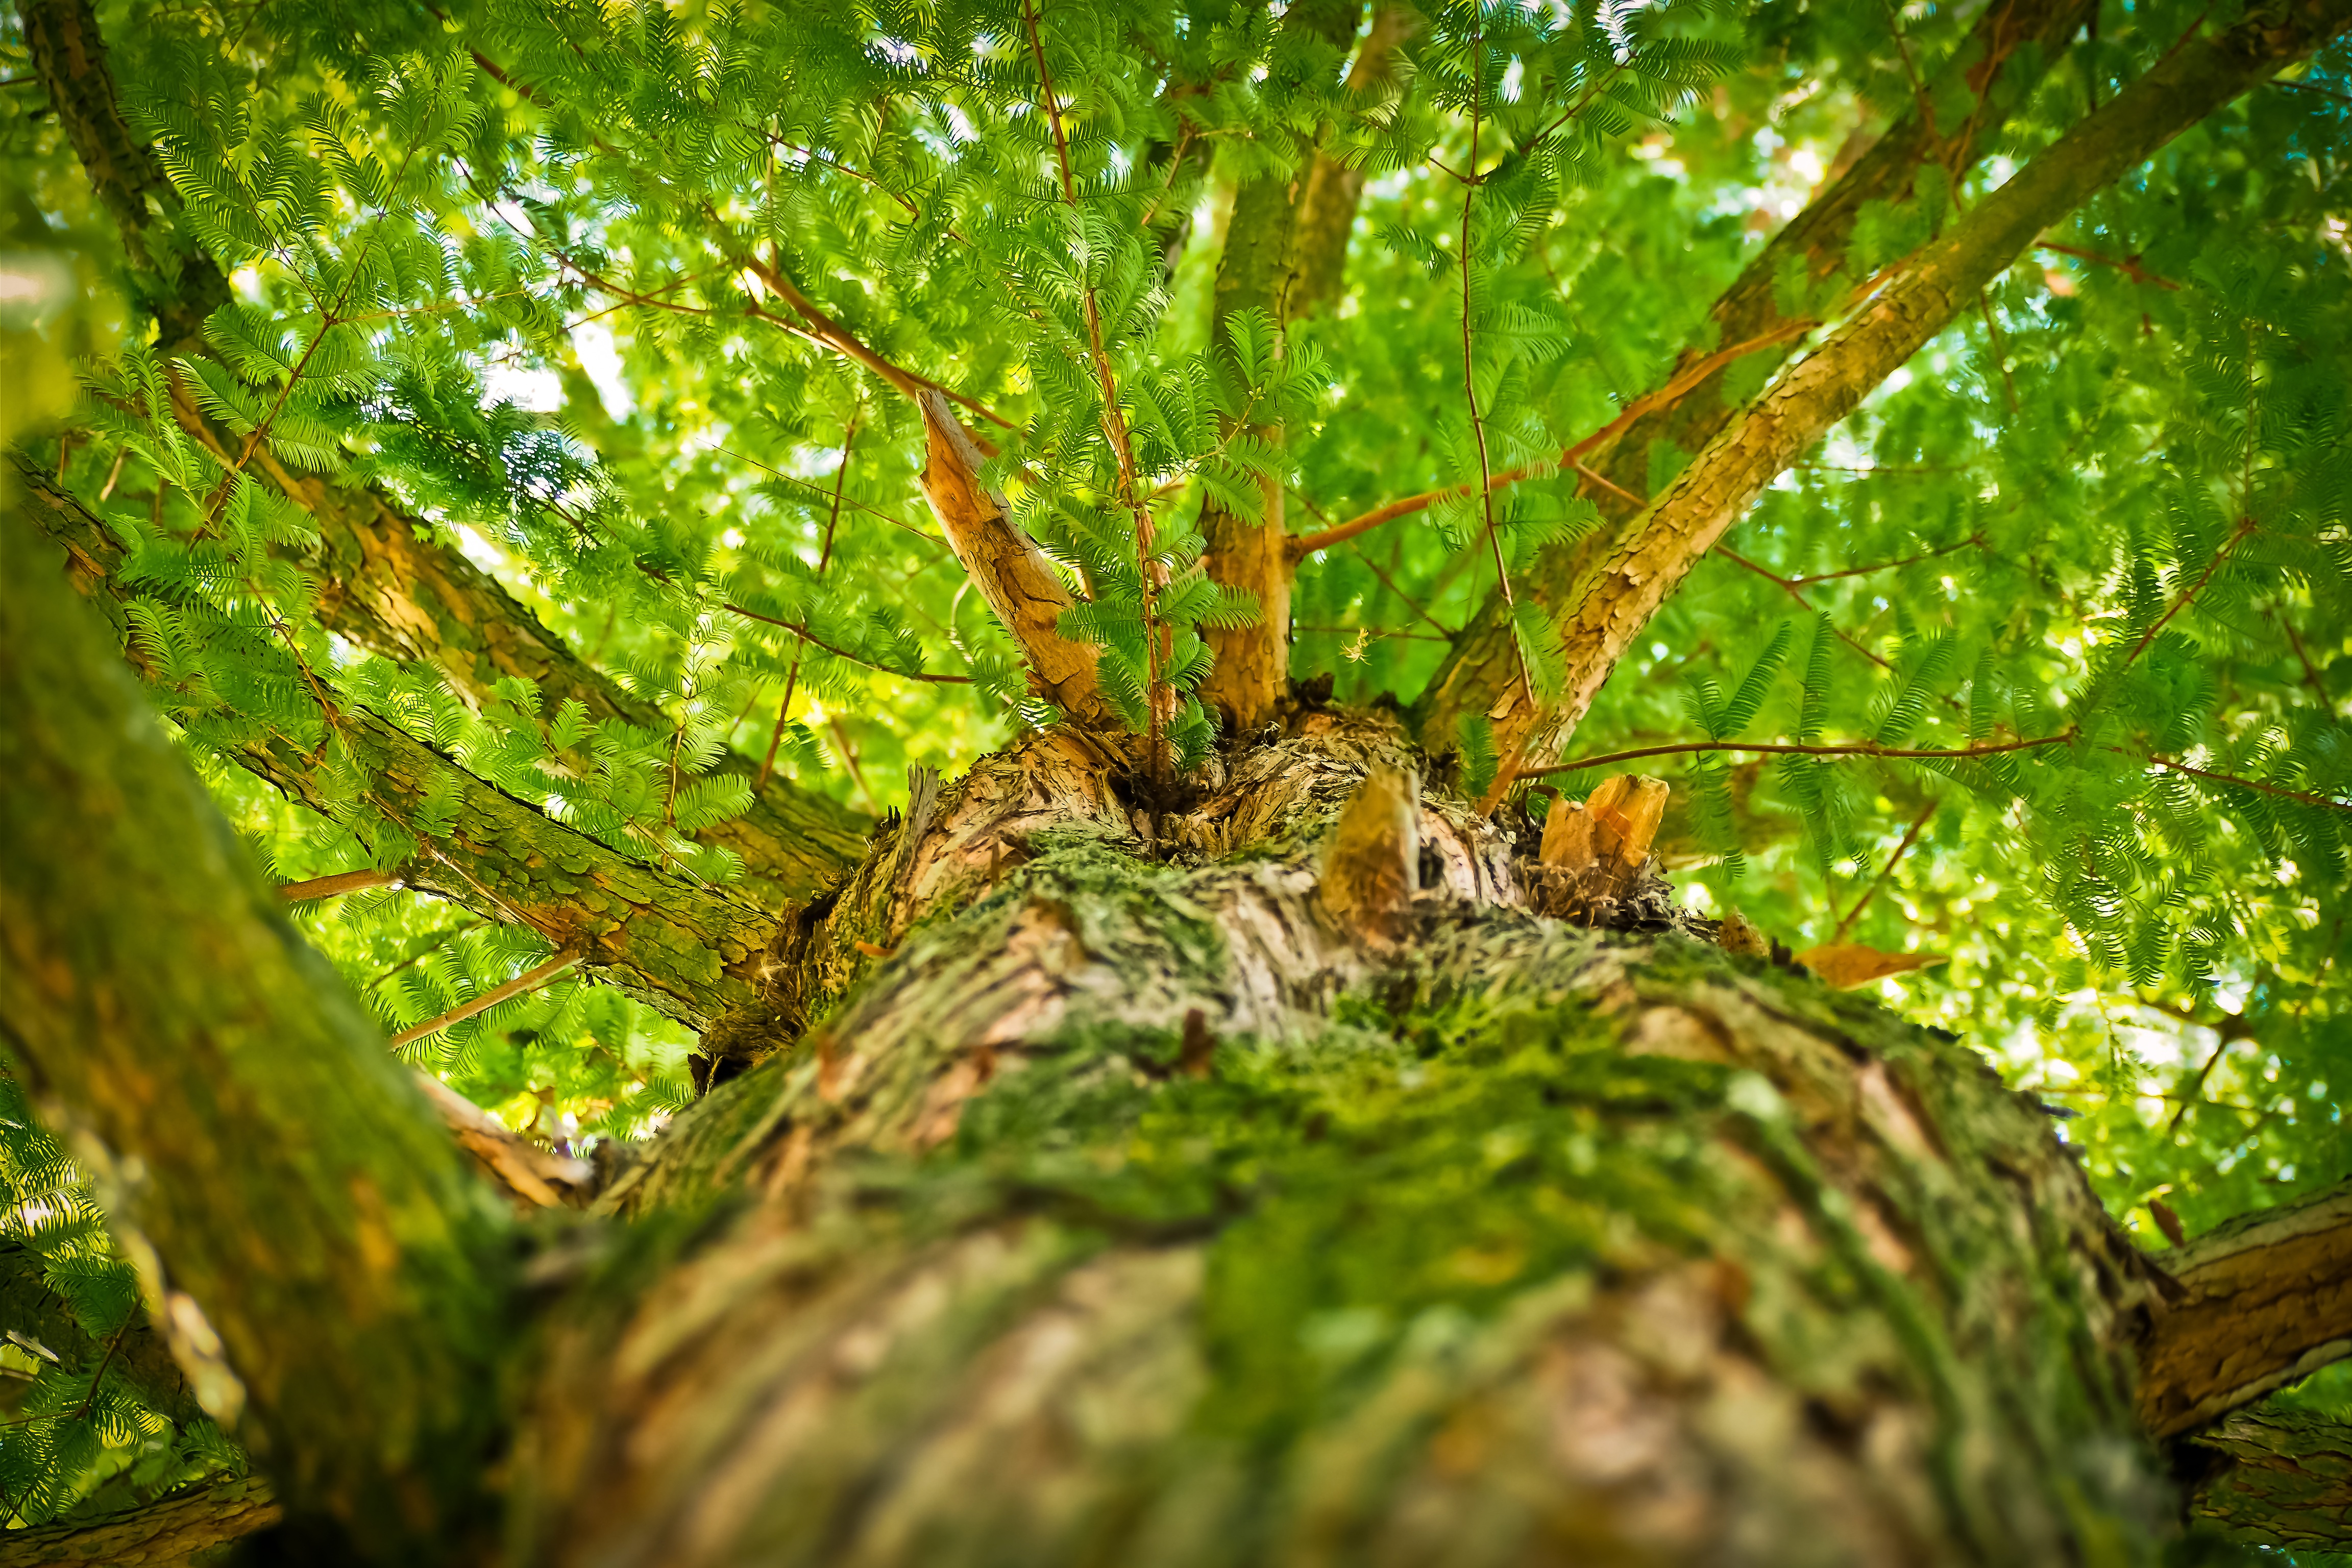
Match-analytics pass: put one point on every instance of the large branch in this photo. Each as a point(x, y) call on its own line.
point(1286, 244)
point(385, 583)
point(182, 1531)
point(690, 950)
point(2263, 1300)
point(278, 1177)
point(171, 276)
point(1011, 572)
point(2003, 57)
point(2278, 1478)
point(1613, 603)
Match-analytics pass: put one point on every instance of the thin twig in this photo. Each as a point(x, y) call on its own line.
point(2181, 602)
point(1672, 392)
point(1789, 588)
point(341, 882)
point(823, 560)
point(1389, 583)
point(2281, 791)
point(1974, 541)
point(529, 981)
point(1893, 860)
point(849, 756)
point(1114, 425)
point(1852, 749)
point(801, 632)
point(850, 501)
point(2000, 351)
point(104, 1361)
point(2128, 266)
point(1469, 366)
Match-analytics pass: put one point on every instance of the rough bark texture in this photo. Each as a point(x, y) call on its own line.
point(194, 1529)
point(688, 949)
point(1278, 253)
point(265, 1161)
point(1616, 599)
point(2256, 1304)
point(2004, 56)
point(1148, 1212)
point(387, 584)
point(2277, 1477)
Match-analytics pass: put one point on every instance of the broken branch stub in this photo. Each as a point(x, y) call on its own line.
point(1594, 852)
point(1013, 573)
point(1371, 867)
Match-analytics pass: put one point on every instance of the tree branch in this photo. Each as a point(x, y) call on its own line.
point(1284, 248)
point(341, 882)
point(2011, 43)
point(187, 1527)
point(2276, 1476)
point(1666, 397)
point(531, 980)
point(1149, 574)
point(1852, 749)
point(1919, 299)
point(2262, 1300)
point(1927, 814)
point(688, 950)
point(1014, 575)
point(383, 585)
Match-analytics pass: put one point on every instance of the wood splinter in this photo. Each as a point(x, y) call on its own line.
point(1371, 867)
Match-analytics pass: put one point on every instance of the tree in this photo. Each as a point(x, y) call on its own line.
point(1269, 1104)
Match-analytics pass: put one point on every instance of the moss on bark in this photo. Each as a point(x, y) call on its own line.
point(303, 1221)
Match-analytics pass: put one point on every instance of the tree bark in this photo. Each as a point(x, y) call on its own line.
point(1616, 599)
point(193, 1529)
point(691, 950)
point(2277, 1477)
point(307, 1237)
point(2255, 1304)
point(1137, 1214)
point(1011, 571)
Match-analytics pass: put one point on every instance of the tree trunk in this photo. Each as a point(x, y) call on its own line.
point(1150, 1211)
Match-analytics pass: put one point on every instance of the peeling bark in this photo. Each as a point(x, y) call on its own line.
point(1615, 600)
point(294, 1206)
point(2260, 1303)
point(1011, 572)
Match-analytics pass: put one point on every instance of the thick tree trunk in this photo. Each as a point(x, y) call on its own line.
point(1164, 1213)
